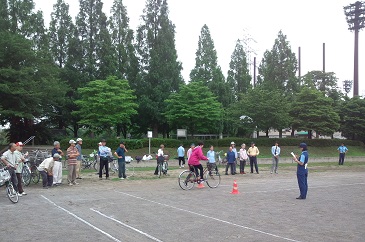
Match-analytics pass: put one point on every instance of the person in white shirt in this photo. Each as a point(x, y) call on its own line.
point(243, 158)
point(9, 159)
point(275, 151)
point(19, 170)
point(46, 170)
point(160, 157)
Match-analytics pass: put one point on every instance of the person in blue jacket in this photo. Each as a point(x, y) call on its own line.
point(231, 161)
point(302, 171)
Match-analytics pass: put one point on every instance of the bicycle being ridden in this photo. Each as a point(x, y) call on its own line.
point(187, 179)
point(194, 160)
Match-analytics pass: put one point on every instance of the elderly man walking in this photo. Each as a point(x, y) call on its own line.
point(9, 158)
point(79, 158)
point(72, 154)
point(57, 167)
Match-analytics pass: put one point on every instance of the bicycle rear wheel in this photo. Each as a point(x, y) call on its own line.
point(26, 176)
point(35, 175)
point(129, 169)
point(165, 167)
point(11, 193)
point(213, 179)
point(186, 180)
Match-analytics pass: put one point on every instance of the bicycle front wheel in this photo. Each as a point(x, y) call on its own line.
point(186, 180)
point(165, 167)
point(35, 175)
point(159, 169)
point(26, 176)
point(213, 178)
point(129, 169)
point(11, 193)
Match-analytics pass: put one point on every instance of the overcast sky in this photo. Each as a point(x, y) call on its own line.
point(307, 23)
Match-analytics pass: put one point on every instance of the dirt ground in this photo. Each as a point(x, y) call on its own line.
point(153, 209)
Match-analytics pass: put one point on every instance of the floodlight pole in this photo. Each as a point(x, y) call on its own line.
point(355, 17)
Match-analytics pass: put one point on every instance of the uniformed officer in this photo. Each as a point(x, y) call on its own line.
point(302, 171)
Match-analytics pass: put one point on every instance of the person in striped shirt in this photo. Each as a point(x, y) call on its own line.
point(72, 154)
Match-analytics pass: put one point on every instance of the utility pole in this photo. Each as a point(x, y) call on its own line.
point(355, 17)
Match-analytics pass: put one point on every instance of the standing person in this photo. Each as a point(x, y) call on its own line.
point(9, 159)
point(243, 158)
point(120, 153)
point(79, 158)
point(181, 156)
point(211, 159)
point(160, 157)
point(57, 166)
point(252, 153)
point(275, 151)
point(231, 161)
point(302, 171)
point(190, 151)
point(194, 160)
point(19, 170)
point(72, 154)
point(342, 150)
point(104, 160)
point(46, 168)
point(233, 145)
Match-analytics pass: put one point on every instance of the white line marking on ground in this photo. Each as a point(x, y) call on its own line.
point(205, 216)
point(126, 225)
point(309, 187)
point(82, 220)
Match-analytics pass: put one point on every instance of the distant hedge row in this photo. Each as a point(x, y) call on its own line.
point(173, 143)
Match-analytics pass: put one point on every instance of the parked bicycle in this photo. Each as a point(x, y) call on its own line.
point(187, 179)
point(26, 173)
point(163, 166)
point(129, 167)
point(5, 180)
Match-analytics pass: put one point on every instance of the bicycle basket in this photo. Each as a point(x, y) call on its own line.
point(4, 176)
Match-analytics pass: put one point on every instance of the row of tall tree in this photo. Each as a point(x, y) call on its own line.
point(95, 72)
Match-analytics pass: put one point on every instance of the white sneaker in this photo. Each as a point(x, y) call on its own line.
point(182, 166)
point(19, 195)
point(122, 178)
point(24, 193)
point(70, 184)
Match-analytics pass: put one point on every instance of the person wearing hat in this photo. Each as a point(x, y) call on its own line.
point(10, 160)
point(57, 167)
point(104, 159)
point(72, 154)
point(46, 170)
point(120, 153)
point(253, 152)
point(19, 169)
point(79, 158)
point(233, 145)
point(302, 171)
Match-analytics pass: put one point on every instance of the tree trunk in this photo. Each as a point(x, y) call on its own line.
point(292, 132)
point(267, 133)
point(76, 129)
point(309, 134)
point(280, 133)
point(155, 130)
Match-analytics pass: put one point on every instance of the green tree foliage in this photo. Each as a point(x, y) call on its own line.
point(312, 110)
point(160, 69)
point(92, 28)
point(239, 79)
point(122, 41)
point(353, 119)
point(268, 109)
point(326, 82)
point(207, 69)
point(194, 107)
point(105, 104)
point(278, 67)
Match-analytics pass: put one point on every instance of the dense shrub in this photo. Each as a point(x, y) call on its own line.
point(174, 143)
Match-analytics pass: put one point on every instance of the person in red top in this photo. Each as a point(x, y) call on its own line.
point(195, 158)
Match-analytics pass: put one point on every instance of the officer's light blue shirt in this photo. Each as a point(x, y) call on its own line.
point(211, 156)
point(342, 149)
point(104, 151)
point(277, 150)
point(180, 151)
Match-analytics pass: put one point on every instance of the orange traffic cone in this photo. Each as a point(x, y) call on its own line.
point(201, 185)
point(235, 188)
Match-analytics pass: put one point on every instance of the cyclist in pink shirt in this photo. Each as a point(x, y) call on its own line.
point(195, 158)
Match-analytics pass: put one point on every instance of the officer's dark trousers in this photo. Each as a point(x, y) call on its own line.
point(303, 185)
point(341, 159)
point(253, 161)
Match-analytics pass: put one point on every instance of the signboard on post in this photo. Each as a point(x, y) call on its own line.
point(149, 136)
point(181, 133)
